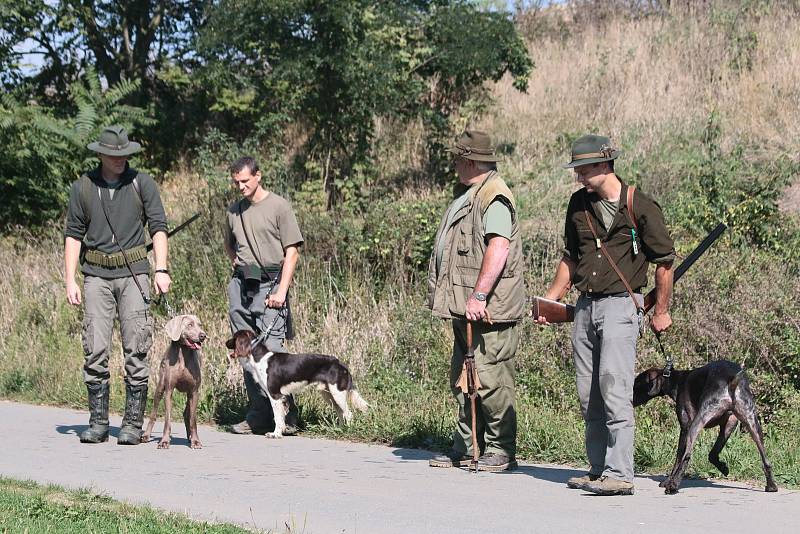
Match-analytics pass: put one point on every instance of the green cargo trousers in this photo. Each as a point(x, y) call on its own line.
point(496, 415)
point(104, 299)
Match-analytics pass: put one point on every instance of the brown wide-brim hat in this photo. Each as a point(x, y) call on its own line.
point(475, 145)
point(591, 149)
point(113, 141)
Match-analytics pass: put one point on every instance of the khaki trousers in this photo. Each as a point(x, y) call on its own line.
point(604, 349)
point(104, 299)
point(496, 416)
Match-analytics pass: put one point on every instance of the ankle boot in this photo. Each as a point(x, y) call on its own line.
point(98, 414)
point(135, 404)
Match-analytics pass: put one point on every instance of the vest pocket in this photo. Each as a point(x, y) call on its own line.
point(464, 244)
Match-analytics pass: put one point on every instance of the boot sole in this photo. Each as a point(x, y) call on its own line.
point(449, 463)
point(609, 493)
point(103, 440)
point(497, 468)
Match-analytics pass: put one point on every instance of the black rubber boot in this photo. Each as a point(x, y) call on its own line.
point(135, 404)
point(98, 414)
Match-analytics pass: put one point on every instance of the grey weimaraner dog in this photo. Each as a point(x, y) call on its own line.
point(180, 369)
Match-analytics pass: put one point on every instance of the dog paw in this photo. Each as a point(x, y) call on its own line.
point(771, 488)
point(196, 444)
point(163, 444)
point(273, 435)
point(670, 488)
point(145, 438)
point(723, 468)
point(663, 483)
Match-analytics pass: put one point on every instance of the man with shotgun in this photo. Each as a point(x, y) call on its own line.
point(611, 232)
point(475, 279)
point(109, 209)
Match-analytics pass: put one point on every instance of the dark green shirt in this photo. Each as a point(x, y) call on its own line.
point(594, 273)
point(127, 214)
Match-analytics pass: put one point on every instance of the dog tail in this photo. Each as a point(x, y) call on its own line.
point(357, 400)
point(734, 383)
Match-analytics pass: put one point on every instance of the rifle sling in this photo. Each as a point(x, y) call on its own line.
point(122, 250)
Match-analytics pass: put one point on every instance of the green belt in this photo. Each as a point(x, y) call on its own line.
point(95, 257)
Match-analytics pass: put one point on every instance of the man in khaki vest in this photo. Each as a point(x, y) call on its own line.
point(475, 273)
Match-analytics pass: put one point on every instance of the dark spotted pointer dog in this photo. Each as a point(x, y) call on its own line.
point(281, 374)
point(717, 394)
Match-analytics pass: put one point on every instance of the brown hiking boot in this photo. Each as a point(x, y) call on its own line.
point(609, 486)
point(451, 459)
point(579, 482)
point(493, 463)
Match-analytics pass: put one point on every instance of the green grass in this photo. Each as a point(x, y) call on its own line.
point(27, 507)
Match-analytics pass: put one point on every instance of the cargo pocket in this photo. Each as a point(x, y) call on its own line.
point(464, 245)
point(144, 332)
point(87, 336)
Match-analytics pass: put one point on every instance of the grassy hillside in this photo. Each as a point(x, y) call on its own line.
point(705, 109)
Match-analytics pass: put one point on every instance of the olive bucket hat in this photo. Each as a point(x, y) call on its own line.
point(113, 141)
point(591, 149)
point(475, 145)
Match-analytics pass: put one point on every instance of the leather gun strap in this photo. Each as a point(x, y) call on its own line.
point(608, 256)
point(631, 214)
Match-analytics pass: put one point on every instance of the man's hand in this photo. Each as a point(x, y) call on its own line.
point(276, 300)
point(476, 310)
point(73, 293)
point(660, 322)
point(162, 283)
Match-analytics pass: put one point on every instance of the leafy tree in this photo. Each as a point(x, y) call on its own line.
point(334, 66)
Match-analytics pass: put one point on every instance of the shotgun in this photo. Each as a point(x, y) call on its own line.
point(177, 229)
point(556, 312)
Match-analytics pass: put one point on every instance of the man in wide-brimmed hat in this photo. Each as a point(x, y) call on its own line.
point(475, 274)
point(608, 221)
point(105, 231)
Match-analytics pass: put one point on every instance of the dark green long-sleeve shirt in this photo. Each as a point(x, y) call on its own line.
point(127, 214)
point(594, 273)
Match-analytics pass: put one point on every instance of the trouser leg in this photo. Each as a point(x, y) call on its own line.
point(586, 355)
point(496, 418)
point(136, 328)
point(98, 320)
point(619, 333)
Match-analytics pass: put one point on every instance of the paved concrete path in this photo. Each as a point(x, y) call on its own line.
point(324, 486)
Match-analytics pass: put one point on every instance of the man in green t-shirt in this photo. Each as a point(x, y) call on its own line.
point(262, 239)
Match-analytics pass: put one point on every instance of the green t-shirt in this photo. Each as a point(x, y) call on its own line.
point(607, 210)
point(271, 226)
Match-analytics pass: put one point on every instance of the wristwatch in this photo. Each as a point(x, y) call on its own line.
point(479, 296)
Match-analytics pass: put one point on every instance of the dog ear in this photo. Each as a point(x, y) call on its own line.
point(231, 343)
point(656, 381)
point(174, 327)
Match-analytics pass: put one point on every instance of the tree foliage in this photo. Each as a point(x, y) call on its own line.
point(44, 152)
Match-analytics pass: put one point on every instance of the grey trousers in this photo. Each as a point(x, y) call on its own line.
point(251, 313)
point(104, 300)
point(604, 349)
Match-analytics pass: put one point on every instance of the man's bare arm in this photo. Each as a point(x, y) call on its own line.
point(291, 255)
point(72, 251)
point(492, 266)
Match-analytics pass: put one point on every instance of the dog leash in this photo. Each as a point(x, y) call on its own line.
point(668, 365)
point(162, 299)
point(260, 338)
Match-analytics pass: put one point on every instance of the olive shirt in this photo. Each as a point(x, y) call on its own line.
point(271, 226)
point(127, 214)
point(594, 273)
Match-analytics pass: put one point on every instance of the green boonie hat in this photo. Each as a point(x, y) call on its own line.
point(591, 149)
point(113, 141)
point(475, 145)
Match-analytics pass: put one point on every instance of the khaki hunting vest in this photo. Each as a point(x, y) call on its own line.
point(465, 246)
